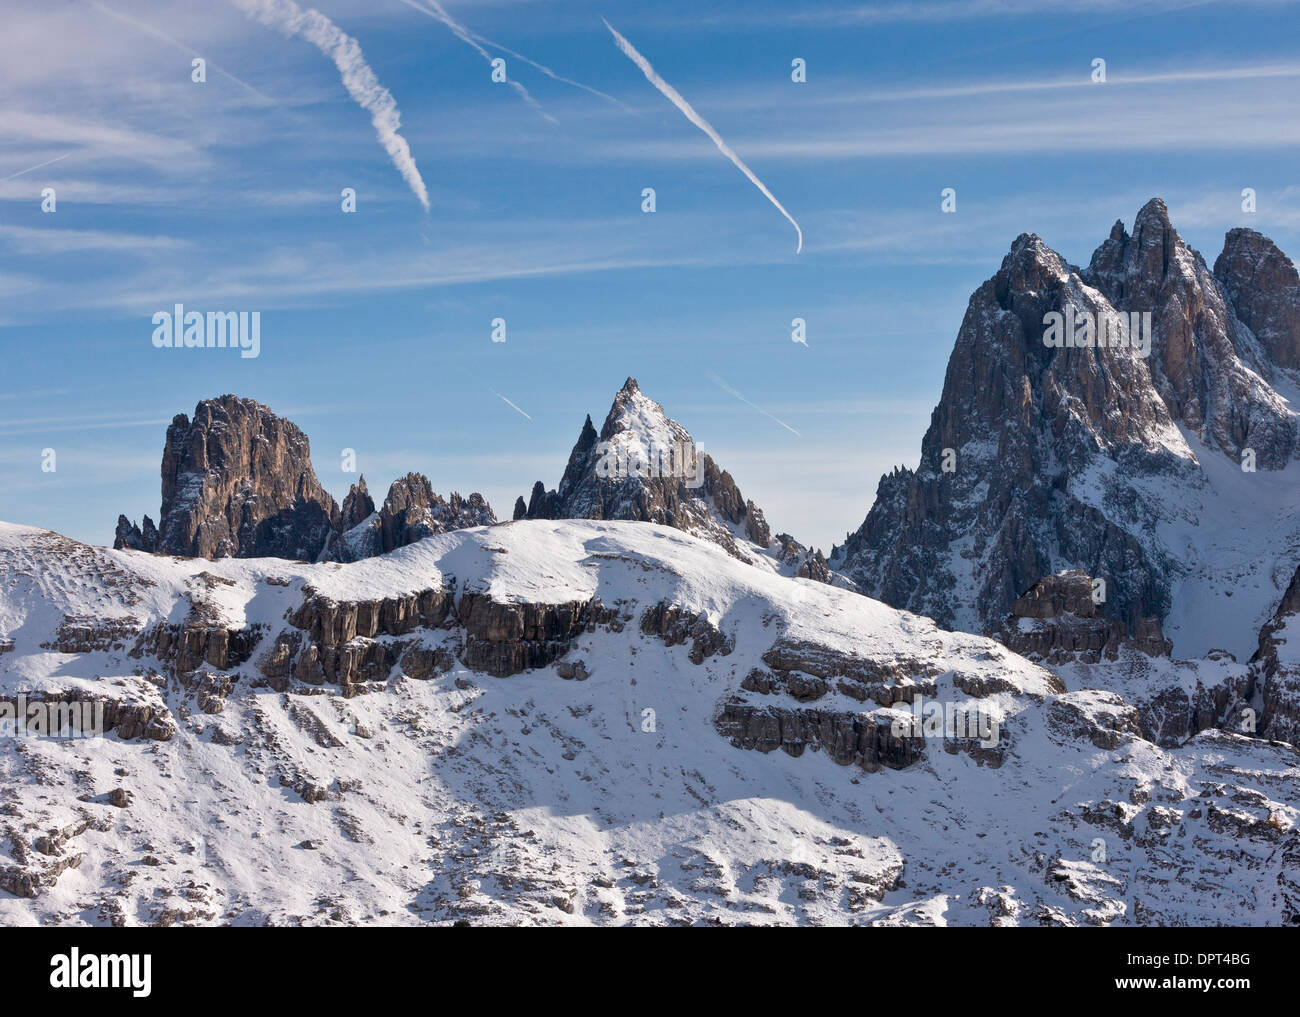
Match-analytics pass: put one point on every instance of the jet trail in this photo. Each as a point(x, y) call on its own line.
point(731, 391)
point(676, 99)
point(289, 19)
point(36, 167)
point(438, 12)
point(508, 402)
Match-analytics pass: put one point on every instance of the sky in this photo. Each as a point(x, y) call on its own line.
point(377, 325)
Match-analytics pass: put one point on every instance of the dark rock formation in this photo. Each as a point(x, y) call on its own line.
point(1102, 718)
point(1277, 667)
point(1263, 289)
point(237, 481)
point(1205, 369)
point(411, 512)
point(1057, 621)
point(341, 642)
point(676, 625)
point(859, 738)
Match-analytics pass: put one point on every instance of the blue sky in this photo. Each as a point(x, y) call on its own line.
point(225, 195)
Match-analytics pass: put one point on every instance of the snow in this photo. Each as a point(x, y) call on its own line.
point(536, 800)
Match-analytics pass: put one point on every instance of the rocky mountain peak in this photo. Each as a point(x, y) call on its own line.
point(1048, 448)
point(1208, 371)
point(357, 506)
point(644, 466)
point(237, 481)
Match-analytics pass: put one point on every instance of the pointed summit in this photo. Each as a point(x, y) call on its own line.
point(645, 466)
point(1206, 369)
point(1154, 214)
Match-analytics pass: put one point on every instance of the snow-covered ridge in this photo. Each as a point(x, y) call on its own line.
point(256, 789)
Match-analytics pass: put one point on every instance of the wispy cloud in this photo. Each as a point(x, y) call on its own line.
point(289, 19)
point(103, 140)
point(911, 11)
point(1236, 108)
point(435, 10)
point(688, 111)
point(176, 44)
point(61, 241)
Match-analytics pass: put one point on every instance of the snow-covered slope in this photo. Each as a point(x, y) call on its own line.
point(394, 740)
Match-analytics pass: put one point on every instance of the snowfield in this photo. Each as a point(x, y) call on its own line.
point(260, 792)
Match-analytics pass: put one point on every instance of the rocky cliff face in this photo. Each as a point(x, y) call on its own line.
point(1277, 669)
point(1047, 454)
point(645, 467)
point(1263, 289)
point(237, 481)
point(1057, 621)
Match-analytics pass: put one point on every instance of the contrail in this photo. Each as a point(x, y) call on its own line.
point(177, 44)
point(437, 11)
point(676, 99)
point(551, 74)
point(508, 402)
point(36, 167)
point(731, 391)
point(289, 19)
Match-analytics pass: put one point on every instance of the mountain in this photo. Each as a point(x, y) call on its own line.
point(644, 466)
point(586, 722)
point(237, 481)
point(411, 512)
point(1167, 472)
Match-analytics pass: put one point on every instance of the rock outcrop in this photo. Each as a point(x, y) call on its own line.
point(411, 512)
point(1058, 621)
point(1277, 668)
point(1263, 289)
point(237, 481)
point(1207, 370)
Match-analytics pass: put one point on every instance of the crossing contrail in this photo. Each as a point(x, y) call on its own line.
point(551, 74)
point(676, 99)
point(435, 10)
